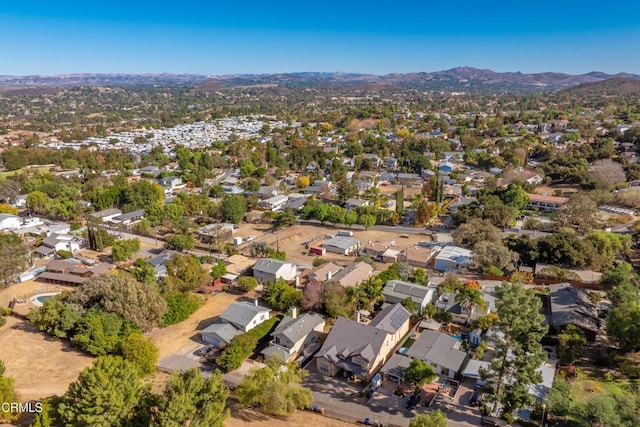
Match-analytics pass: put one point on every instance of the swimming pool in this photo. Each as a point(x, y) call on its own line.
point(39, 299)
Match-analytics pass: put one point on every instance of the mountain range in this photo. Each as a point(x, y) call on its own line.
point(462, 79)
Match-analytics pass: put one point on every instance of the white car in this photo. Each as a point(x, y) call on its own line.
point(250, 238)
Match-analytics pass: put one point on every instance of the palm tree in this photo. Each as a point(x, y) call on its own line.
point(469, 299)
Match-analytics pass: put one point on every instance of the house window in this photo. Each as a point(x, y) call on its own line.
point(324, 368)
point(445, 371)
point(262, 316)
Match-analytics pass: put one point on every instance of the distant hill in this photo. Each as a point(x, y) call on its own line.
point(610, 87)
point(459, 79)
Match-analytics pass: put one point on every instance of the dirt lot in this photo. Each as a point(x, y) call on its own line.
point(40, 365)
point(181, 337)
point(292, 240)
point(242, 417)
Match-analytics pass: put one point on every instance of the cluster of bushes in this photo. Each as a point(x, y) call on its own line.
point(180, 306)
point(366, 216)
point(123, 249)
point(99, 315)
point(241, 346)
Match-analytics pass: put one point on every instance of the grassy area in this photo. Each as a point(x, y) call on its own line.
point(594, 383)
point(6, 174)
point(408, 342)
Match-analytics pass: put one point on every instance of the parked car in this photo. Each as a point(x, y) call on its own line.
point(492, 422)
point(413, 401)
point(250, 238)
point(475, 399)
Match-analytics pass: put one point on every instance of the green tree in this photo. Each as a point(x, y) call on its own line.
point(247, 283)
point(275, 389)
point(560, 398)
point(515, 196)
point(144, 272)
point(400, 201)
point(38, 202)
point(55, 318)
point(367, 221)
point(190, 399)
point(184, 273)
point(15, 257)
point(104, 394)
point(232, 208)
point(279, 295)
point(218, 270)
point(8, 394)
point(570, 343)
point(101, 333)
point(475, 230)
point(487, 254)
point(579, 214)
point(336, 301)
point(410, 305)
point(470, 299)
point(180, 305)
point(623, 321)
point(284, 219)
point(419, 373)
point(433, 419)
point(139, 350)
point(139, 303)
point(180, 242)
point(124, 249)
point(518, 352)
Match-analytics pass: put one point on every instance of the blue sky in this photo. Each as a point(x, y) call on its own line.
point(229, 37)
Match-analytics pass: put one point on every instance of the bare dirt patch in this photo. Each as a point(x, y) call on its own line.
point(242, 416)
point(356, 124)
point(182, 337)
point(41, 366)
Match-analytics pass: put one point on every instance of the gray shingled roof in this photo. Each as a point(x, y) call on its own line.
point(400, 289)
point(391, 318)
point(268, 265)
point(226, 331)
point(439, 349)
point(571, 306)
point(298, 328)
point(241, 313)
point(341, 242)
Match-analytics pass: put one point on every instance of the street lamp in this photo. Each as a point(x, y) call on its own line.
point(544, 407)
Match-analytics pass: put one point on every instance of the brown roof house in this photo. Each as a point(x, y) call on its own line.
point(69, 274)
point(569, 305)
point(353, 274)
point(359, 350)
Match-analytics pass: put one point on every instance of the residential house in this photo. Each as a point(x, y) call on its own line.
point(152, 171)
point(216, 234)
point(409, 178)
point(295, 334)
point(452, 258)
point(106, 215)
point(274, 203)
point(245, 315)
point(265, 192)
point(353, 274)
point(495, 171)
point(391, 163)
point(546, 203)
point(353, 203)
point(320, 188)
point(441, 351)
point(446, 167)
point(219, 335)
point(363, 185)
point(396, 291)
point(376, 161)
point(342, 245)
point(9, 222)
point(59, 242)
point(159, 262)
point(20, 201)
point(128, 218)
point(568, 305)
point(323, 273)
point(417, 256)
point(375, 249)
point(462, 201)
point(267, 269)
point(459, 314)
point(171, 183)
point(67, 273)
point(354, 349)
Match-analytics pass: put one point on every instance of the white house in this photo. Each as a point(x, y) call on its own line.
point(106, 215)
point(274, 203)
point(245, 315)
point(395, 291)
point(268, 269)
point(452, 258)
point(295, 334)
point(9, 222)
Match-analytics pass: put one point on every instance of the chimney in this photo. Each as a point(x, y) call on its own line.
point(329, 275)
point(358, 316)
point(294, 312)
point(255, 302)
point(297, 281)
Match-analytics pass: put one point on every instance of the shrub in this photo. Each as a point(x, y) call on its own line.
point(139, 350)
point(247, 283)
point(492, 271)
point(3, 321)
point(64, 254)
point(318, 261)
point(180, 306)
point(243, 345)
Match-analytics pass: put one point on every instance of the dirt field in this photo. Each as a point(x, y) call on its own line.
point(242, 417)
point(292, 240)
point(40, 365)
point(180, 337)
